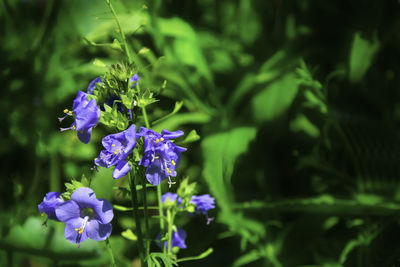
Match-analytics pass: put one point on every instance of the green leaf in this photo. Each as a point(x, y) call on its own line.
point(275, 99)
point(361, 56)
point(251, 256)
point(128, 234)
point(302, 124)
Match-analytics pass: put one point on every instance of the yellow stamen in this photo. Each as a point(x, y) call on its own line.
point(79, 230)
point(74, 127)
point(42, 214)
point(65, 110)
point(161, 139)
point(113, 145)
point(157, 140)
point(95, 158)
point(70, 112)
point(116, 151)
point(173, 162)
point(169, 172)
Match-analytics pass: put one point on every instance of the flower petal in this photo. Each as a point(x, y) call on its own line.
point(98, 231)
point(71, 231)
point(84, 135)
point(171, 135)
point(103, 211)
point(85, 197)
point(69, 210)
point(122, 168)
point(154, 174)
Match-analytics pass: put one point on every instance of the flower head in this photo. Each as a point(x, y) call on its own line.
point(203, 204)
point(49, 204)
point(85, 216)
point(87, 115)
point(177, 239)
point(161, 156)
point(117, 147)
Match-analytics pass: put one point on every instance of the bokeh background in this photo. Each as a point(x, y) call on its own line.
point(297, 104)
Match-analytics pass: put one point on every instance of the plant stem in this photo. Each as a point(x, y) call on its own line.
point(169, 219)
point(108, 245)
point(146, 121)
point(146, 215)
point(128, 54)
point(135, 206)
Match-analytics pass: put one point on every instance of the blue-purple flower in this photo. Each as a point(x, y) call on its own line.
point(161, 156)
point(203, 204)
point(85, 216)
point(49, 204)
point(117, 147)
point(134, 79)
point(87, 115)
point(171, 197)
point(92, 85)
point(177, 239)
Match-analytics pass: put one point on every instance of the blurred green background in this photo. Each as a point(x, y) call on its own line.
point(297, 104)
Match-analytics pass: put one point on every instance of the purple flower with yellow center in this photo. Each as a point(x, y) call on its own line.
point(117, 147)
point(161, 156)
point(203, 204)
point(85, 216)
point(177, 239)
point(87, 115)
point(49, 204)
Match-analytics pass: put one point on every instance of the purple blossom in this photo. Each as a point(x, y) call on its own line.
point(177, 239)
point(92, 85)
point(134, 78)
point(203, 204)
point(117, 148)
point(161, 156)
point(85, 216)
point(87, 115)
point(172, 197)
point(49, 204)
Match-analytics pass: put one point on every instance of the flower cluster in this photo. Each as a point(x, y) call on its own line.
point(174, 203)
point(161, 156)
point(84, 215)
point(117, 147)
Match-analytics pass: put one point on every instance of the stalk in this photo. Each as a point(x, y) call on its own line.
point(135, 206)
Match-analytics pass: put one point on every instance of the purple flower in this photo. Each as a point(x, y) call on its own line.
point(92, 85)
point(134, 78)
point(161, 156)
point(117, 148)
point(87, 115)
point(49, 204)
point(177, 240)
point(85, 216)
point(203, 204)
point(172, 197)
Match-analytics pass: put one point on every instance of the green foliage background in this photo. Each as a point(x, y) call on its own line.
point(296, 102)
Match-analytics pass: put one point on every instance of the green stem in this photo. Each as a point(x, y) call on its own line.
point(146, 120)
point(146, 215)
point(135, 205)
point(170, 221)
point(108, 245)
point(128, 54)
point(160, 210)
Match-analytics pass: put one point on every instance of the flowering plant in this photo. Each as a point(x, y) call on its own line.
point(140, 155)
